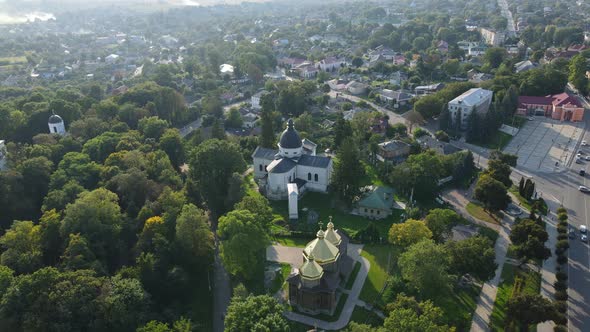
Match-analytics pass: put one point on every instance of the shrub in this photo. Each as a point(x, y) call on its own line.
point(561, 209)
point(560, 328)
point(561, 259)
point(561, 306)
point(562, 217)
point(561, 236)
point(562, 229)
point(560, 285)
point(560, 319)
point(561, 276)
point(561, 295)
point(562, 245)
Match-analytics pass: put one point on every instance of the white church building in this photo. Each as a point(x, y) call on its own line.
point(295, 163)
point(56, 125)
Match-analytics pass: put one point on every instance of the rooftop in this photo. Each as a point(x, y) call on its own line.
point(472, 97)
point(378, 198)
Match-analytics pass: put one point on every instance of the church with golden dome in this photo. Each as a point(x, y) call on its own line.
point(313, 288)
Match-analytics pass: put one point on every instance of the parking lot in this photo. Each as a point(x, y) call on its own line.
point(545, 145)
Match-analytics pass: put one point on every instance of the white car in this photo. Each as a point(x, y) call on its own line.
point(587, 158)
point(584, 189)
point(583, 229)
point(584, 238)
point(579, 155)
point(584, 143)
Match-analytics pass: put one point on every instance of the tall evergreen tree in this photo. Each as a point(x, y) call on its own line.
point(267, 138)
point(521, 187)
point(444, 119)
point(348, 171)
point(342, 130)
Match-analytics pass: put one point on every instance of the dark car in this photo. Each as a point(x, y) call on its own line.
point(582, 172)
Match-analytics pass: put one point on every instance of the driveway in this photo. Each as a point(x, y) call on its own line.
point(284, 254)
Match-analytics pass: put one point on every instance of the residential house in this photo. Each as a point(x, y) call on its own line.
point(492, 37)
point(443, 47)
point(331, 64)
point(398, 77)
point(290, 62)
point(428, 89)
point(524, 66)
point(111, 59)
point(337, 84)
point(563, 107)
point(396, 98)
point(477, 50)
point(444, 148)
point(385, 52)
point(249, 120)
point(476, 99)
point(476, 77)
point(307, 70)
point(255, 99)
point(226, 69)
point(393, 151)
point(399, 59)
point(376, 203)
point(356, 88)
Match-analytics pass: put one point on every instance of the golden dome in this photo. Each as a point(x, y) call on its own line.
point(311, 270)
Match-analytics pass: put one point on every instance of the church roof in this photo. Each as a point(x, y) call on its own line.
point(54, 118)
point(322, 250)
point(314, 161)
point(279, 166)
point(290, 137)
point(331, 235)
point(264, 153)
point(311, 270)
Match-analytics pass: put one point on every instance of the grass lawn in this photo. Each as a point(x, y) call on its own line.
point(526, 203)
point(363, 316)
point(531, 285)
point(499, 141)
point(380, 256)
point(352, 276)
point(477, 211)
point(459, 306)
point(292, 241)
point(371, 177)
point(280, 279)
point(13, 59)
point(326, 206)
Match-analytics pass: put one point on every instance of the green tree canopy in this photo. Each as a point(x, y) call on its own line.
point(255, 313)
point(474, 255)
point(425, 267)
point(439, 221)
point(408, 233)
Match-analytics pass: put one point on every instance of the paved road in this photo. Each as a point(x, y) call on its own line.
point(393, 117)
point(510, 26)
point(189, 128)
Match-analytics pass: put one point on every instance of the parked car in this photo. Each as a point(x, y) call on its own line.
point(582, 172)
point(578, 161)
point(584, 189)
point(584, 143)
point(583, 229)
point(587, 158)
point(584, 238)
point(572, 234)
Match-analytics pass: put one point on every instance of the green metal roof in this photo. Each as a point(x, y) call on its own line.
point(322, 250)
point(380, 198)
point(311, 270)
point(331, 235)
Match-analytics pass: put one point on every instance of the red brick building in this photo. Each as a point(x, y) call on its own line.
point(563, 107)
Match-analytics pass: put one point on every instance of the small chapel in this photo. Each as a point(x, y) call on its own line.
point(313, 288)
point(292, 169)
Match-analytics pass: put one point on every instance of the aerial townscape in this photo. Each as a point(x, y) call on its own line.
point(291, 166)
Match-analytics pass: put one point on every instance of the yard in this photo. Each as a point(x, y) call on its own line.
point(459, 306)
point(363, 316)
point(499, 141)
point(325, 206)
point(381, 257)
point(477, 211)
point(530, 284)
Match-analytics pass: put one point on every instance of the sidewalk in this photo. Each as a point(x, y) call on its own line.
point(487, 297)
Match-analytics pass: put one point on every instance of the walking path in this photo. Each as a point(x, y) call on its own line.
point(292, 255)
point(487, 297)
